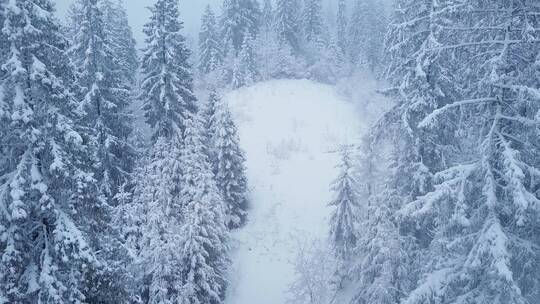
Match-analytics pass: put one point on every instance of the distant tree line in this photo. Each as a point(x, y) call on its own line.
point(245, 43)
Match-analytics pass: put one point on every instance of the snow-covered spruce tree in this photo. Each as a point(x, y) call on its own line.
point(230, 167)
point(367, 29)
point(71, 28)
point(312, 285)
point(287, 24)
point(204, 235)
point(210, 48)
point(356, 35)
point(245, 71)
point(43, 245)
point(382, 268)
point(4, 110)
point(120, 38)
point(266, 46)
point(239, 18)
point(168, 102)
point(264, 42)
point(316, 42)
point(104, 96)
point(267, 15)
point(421, 84)
point(103, 93)
point(167, 85)
point(208, 116)
point(485, 200)
point(342, 26)
point(346, 208)
point(327, 62)
point(157, 217)
point(276, 60)
point(312, 20)
point(225, 72)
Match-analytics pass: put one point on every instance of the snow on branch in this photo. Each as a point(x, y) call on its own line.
point(451, 179)
point(522, 120)
point(515, 176)
point(435, 283)
point(487, 42)
point(430, 119)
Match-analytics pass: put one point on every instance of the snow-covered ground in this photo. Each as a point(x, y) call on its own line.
point(288, 129)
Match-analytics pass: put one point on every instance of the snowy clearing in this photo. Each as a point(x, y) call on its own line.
point(287, 129)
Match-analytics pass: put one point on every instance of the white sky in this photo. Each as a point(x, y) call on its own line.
point(190, 10)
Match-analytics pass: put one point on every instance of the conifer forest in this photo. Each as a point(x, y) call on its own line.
point(269, 151)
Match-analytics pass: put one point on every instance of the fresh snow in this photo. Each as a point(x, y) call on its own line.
point(289, 130)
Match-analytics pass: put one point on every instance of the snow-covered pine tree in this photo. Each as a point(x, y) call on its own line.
point(43, 246)
point(267, 15)
point(421, 83)
point(245, 71)
point(167, 85)
point(357, 30)
point(210, 48)
point(412, 161)
point(253, 14)
point(204, 234)
point(312, 20)
point(230, 167)
point(225, 73)
point(104, 97)
point(70, 28)
point(327, 61)
point(118, 32)
point(367, 29)
point(312, 285)
point(208, 116)
point(268, 51)
point(239, 18)
point(341, 27)
point(4, 110)
point(346, 208)
point(152, 221)
point(287, 24)
point(103, 93)
point(5, 118)
point(157, 216)
point(276, 60)
point(157, 203)
point(381, 267)
point(120, 36)
point(374, 49)
point(484, 204)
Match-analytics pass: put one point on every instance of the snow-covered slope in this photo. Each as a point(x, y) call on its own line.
point(288, 129)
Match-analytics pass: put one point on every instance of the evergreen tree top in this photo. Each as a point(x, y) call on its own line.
point(346, 185)
point(210, 48)
point(167, 86)
point(239, 18)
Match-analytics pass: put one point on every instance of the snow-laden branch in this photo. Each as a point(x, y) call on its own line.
point(451, 181)
point(487, 42)
point(429, 120)
point(523, 120)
